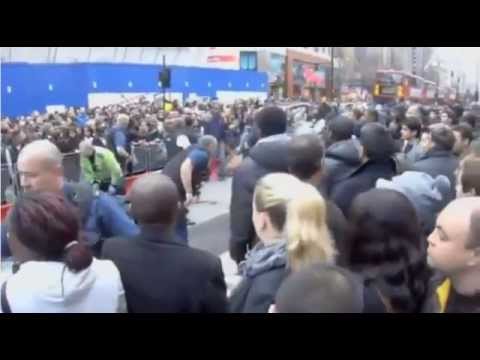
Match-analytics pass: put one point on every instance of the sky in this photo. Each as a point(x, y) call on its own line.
point(464, 58)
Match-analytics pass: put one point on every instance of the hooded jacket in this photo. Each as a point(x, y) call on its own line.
point(427, 195)
point(340, 158)
point(439, 162)
point(269, 155)
point(105, 167)
point(48, 287)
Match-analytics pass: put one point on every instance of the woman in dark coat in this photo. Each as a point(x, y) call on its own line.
point(389, 252)
point(289, 217)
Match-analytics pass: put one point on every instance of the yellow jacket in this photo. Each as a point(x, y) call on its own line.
point(443, 293)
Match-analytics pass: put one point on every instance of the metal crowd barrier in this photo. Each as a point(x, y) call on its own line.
point(149, 157)
point(71, 166)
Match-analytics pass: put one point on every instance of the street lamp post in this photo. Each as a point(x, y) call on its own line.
point(332, 67)
point(476, 87)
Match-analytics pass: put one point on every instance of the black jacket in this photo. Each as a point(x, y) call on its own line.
point(439, 162)
point(339, 229)
point(161, 274)
point(173, 167)
point(341, 158)
point(256, 294)
point(264, 158)
point(170, 139)
point(360, 180)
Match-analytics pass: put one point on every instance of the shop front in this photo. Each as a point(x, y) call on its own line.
point(274, 65)
point(306, 76)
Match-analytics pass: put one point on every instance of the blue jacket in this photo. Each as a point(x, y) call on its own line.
point(103, 218)
point(216, 127)
point(81, 120)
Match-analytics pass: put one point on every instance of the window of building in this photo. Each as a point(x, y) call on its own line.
point(248, 60)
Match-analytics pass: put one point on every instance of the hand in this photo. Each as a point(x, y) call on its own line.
point(189, 199)
point(112, 190)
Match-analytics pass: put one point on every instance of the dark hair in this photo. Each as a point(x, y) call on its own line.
point(377, 141)
point(305, 154)
point(471, 175)
point(372, 115)
point(46, 223)
point(414, 124)
point(470, 119)
point(341, 128)
point(443, 138)
point(189, 121)
point(465, 130)
point(357, 114)
point(271, 121)
point(320, 288)
point(387, 247)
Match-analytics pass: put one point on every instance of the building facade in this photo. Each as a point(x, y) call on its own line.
point(39, 78)
point(197, 71)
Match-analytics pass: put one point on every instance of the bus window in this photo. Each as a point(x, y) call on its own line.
point(389, 79)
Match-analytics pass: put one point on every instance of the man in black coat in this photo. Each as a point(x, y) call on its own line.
point(305, 161)
point(160, 273)
point(377, 149)
point(439, 158)
point(343, 155)
point(267, 156)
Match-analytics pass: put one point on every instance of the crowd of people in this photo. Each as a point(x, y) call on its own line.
point(120, 126)
point(378, 213)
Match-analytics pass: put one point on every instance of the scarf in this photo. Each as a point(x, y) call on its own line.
point(264, 258)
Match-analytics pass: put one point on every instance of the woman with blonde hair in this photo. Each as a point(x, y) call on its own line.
point(289, 217)
point(308, 237)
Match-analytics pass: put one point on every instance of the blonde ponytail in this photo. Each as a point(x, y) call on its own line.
point(308, 238)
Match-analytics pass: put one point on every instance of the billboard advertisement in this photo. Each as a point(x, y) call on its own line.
point(223, 57)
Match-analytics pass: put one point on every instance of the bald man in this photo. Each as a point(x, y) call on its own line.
point(454, 250)
point(160, 272)
point(40, 169)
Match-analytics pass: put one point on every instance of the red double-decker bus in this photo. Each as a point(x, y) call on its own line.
point(391, 85)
